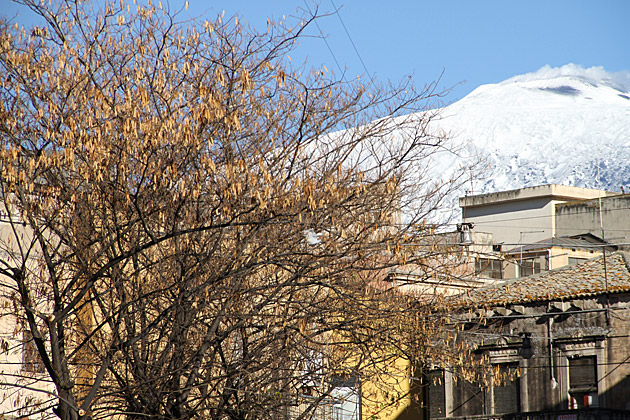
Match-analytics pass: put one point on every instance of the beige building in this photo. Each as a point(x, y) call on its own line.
point(552, 253)
point(524, 215)
point(537, 229)
point(21, 368)
point(610, 214)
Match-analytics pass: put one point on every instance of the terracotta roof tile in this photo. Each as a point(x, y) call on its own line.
point(585, 279)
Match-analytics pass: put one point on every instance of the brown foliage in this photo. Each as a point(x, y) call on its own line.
point(194, 227)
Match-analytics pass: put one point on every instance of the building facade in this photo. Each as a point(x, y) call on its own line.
point(554, 344)
point(610, 214)
point(524, 215)
point(536, 229)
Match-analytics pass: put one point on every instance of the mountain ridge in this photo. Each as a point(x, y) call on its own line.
point(567, 125)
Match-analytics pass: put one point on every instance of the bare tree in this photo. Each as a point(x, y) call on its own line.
point(194, 229)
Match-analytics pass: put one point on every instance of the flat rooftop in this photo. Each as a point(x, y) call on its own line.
point(552, 191)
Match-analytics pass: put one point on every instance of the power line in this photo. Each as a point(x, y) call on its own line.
point(338, 13)
point(326, 42)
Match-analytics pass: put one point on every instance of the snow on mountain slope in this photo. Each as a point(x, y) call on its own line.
point(552, 126)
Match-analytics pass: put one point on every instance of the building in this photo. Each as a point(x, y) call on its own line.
point(610, 214)
point(540, 228)
point(556, 344)
point(524, 215)
point(20, 365)
point(552, 333)
point(551, 253)
point(552, 316)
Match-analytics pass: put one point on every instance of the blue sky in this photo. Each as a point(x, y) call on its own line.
point(472, 42)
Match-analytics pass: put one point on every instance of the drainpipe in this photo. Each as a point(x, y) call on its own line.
point(554, 382)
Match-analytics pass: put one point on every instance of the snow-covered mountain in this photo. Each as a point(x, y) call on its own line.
point(557, 125)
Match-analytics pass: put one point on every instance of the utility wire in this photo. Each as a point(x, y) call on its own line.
point(338, 13)
point(326, 42)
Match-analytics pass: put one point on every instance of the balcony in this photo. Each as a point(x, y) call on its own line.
point(581, 414)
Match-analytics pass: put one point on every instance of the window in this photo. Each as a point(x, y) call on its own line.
point(532, 266)
point(574, 261)
point(469, 398)
point(490, 268)
point(506, 391)
point(437, 396)
point(582, 382)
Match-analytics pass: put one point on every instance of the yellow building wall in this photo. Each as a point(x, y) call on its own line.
point(560, 256)
point(395, 393)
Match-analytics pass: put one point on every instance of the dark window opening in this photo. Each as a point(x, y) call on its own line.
point(583, 382)
point(507, 389)
point(490, 268)
point(469, 398)
point(531, 266)
point(575, 261)
point(437, 395)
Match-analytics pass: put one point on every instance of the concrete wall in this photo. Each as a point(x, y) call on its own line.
point(617, 393)
point(510, 215)
point(560, 256)
point(583, 216)
point(506, 221)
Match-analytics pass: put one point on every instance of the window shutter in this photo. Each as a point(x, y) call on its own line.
point(437, 400)
point(506, 390)
point(582, 374)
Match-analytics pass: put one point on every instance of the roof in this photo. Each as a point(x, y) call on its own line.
point(581, 280)
point(551, 191)
point(583, 241)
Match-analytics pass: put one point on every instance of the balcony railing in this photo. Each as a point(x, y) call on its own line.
point(581, 414)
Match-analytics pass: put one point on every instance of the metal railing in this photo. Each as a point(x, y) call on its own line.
point(581, 414)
